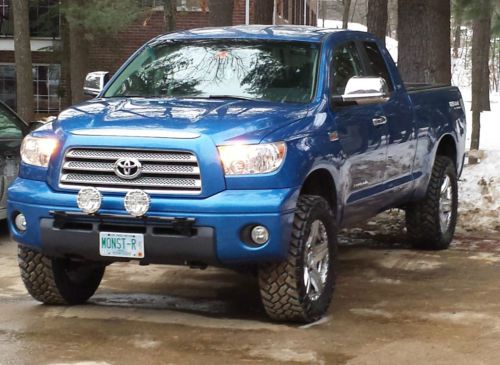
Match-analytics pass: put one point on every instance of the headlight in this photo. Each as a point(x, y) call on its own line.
point(37, 151)
point(252, 159)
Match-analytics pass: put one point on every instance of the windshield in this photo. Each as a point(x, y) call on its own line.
point(274, 71)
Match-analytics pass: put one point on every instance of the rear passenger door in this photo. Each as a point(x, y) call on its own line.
point(398, 113)
point(363, 143)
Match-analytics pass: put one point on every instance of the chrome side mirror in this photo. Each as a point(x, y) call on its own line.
point(94, 82)
point(364, 90)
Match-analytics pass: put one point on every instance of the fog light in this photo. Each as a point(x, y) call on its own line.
point(20, 222)
point(137, 203)
point(89, 200)
point(260, 235)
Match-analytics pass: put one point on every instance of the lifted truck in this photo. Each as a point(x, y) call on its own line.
point(236, 147)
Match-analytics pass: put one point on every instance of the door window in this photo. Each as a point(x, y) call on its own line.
point(9, 127)
point(375, 63)
point(346, 64)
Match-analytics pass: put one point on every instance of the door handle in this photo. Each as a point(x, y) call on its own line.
point(379, 121)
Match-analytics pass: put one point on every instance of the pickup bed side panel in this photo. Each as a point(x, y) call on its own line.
point(438, 113)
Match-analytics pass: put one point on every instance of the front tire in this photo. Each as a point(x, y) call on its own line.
point(431, 222)
point(58, 281)
point(300, 288)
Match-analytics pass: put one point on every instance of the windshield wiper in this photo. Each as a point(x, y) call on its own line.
point(234, 97)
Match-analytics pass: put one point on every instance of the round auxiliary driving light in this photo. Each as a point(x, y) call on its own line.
point(20, 222)
point(260, 235)
point(89, 200)
point(137, 203)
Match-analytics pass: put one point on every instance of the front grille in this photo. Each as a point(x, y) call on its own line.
point(168, 172)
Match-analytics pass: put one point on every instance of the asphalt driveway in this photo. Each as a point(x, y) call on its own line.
point(393, 305)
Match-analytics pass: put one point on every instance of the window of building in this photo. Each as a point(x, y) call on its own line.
point(189, 5)
point(43, 14)
point(182, 5)
point(151, 3)
point(8, 85)
point(45, 87)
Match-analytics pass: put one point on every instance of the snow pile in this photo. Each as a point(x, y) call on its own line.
point(479, 192)
point(390, 43)
point(490, 122)
point(479, 187)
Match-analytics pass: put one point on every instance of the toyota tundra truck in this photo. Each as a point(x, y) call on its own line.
point(237, 147)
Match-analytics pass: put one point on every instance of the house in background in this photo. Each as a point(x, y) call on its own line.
point(109, 53)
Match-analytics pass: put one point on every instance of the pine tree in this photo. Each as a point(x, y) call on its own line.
point(263, 11)
point(377, 18)
point(169, 14)
point(220, 13)
point(88, 20)
point(345, 16)
point(424, 41)
point(22, 55)
point(481, 34)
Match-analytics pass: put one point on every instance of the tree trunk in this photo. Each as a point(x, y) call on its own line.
point(377, 18)
point(424, 41)
point(169, 13)
point(78, 62)
point(457, 35)
point(345, 16)
point(263, 11)
point(220, 13)
point(481, 33)
point(24, 66)
point(65, 83)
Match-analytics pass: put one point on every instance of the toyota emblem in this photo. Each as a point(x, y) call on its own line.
point(128, 168)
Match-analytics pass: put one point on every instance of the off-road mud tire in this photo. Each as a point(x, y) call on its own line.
point(282, 287)
point(422, 218)
point(58, 281)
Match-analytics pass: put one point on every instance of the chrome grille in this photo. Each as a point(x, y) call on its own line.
point(162, 171)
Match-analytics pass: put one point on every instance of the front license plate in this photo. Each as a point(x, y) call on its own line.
point(115, 244)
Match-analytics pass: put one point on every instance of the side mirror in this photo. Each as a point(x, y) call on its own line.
point(94, 82)
point(364, 90)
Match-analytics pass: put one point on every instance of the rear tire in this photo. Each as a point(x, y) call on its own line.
point(431, 222)
point(58, 281)
point(300, 288)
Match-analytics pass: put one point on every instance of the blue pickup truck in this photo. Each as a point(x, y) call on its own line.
point(237, 147)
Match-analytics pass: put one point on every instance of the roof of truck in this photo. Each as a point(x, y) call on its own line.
point(267, 32)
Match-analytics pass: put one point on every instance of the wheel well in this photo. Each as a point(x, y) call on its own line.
point(448, 148)
point(320, 182)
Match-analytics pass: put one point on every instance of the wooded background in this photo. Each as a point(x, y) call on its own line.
point(431, 33)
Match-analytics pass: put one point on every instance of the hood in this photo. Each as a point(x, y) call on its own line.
point(225, 121)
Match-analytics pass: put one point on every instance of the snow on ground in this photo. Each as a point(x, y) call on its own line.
point(479, 188)
point(479, 192)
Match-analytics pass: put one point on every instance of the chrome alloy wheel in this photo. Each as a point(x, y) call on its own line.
point(445, 204)
point(316, 260)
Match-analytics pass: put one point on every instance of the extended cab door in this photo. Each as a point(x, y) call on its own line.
point(398, 113)
point(362, 138)
point(12, 130)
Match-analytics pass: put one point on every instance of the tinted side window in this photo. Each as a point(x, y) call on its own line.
point(9, 129)
point(346, 64)
point(376, 64)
